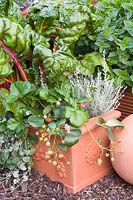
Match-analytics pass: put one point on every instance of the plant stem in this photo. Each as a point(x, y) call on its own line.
point(94, 139)
point(15, 59)
point(7, 80)
point(92, 135)
point(108, 149)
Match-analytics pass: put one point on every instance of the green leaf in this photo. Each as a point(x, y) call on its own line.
point(131, 78)
point(44, 93)
point(63, 147)
point(100, 121)
point(62, 132)
point(13, 10)
point(127, 43)
point(52, 126)
point(78, 118)
point(114, 122)
point(33, 139)
point(35, 121)
point(89, 62)
point(16, 174)
point(64, 90)
point(69, 111)
point(56, 64)
point(75, 132)
point(4, 156)
point(75, 92)
point(21, 165)
point(109, 133)
point(18, 90)
point(73, 137)
point(12, 124)
point(47, 109)
point(26, 159)
point(29, 152)
point(61, 122)
point(70, 140)
point(132, 90)
point(85, 99)
point(99, 140)
point(59, 112)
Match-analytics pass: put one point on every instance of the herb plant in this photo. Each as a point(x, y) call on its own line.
point(115, 37)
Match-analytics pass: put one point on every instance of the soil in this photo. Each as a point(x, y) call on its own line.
point(39, 187)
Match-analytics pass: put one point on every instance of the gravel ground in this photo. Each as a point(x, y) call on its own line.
point(111, 187)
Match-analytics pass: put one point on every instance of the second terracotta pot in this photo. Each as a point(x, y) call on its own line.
point(123, 151)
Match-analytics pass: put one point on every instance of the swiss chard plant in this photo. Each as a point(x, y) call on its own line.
point(46, 41)
point(62, 24)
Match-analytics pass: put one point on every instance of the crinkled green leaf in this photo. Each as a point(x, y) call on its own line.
point(14, 42)
point(12, 124)
point(90, 61)
point(18, 90)
point(35, 121)
point(61, 122)
point(59, 112)
point(60, 62)
point(52, 126)
point(44, 93)
point(77, 117)
point(12, 9)
point(70, 140)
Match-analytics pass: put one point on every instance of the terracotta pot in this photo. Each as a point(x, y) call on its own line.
point(123, 152)
point(83, 169)
point(126, 104)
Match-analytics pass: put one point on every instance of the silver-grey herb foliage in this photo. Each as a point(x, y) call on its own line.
point(104, 94)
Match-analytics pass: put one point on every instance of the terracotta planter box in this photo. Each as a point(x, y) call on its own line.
point(83, 169)
point(126, 104)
